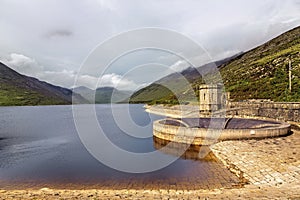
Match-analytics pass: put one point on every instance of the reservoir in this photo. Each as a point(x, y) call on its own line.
point(40, 147)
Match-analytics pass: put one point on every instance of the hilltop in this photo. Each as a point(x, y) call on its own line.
point(166, 89)
point(18, 90)
point(261, 73)
point(103, 94)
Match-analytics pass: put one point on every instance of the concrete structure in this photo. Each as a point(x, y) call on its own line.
point(194, 127)
point(212, 97)
point(271, 110)
point(192, 152)
point(254, 109)
point(205, 131)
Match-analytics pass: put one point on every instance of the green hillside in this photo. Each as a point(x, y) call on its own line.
point(261, 73)
point(18, 90)
point(103, 95)
point(110, 95)
point(154, 93)
point(175, 87)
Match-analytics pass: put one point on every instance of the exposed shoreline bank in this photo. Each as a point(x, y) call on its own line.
point(271, 166)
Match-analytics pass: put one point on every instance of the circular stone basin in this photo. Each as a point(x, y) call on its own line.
point(206, 131)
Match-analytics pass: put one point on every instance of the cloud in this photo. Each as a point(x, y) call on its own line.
point(110, 5)
point(117, 81)
point(107, 80)
point(60, 33)
point(66, 78)
point(64, 34)
point(179, 66)
point(23, 64)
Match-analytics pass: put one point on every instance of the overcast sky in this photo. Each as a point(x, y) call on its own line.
point(50, 39)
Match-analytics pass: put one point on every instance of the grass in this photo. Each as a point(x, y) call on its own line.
point(261, 73)
point(284, 53)
point(15, 96)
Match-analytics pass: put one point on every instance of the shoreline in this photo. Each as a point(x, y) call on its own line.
point(251, 192)
point(272, 167)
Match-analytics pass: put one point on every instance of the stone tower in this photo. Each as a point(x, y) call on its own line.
point(212, 97)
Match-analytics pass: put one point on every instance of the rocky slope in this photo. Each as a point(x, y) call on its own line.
point(167, 89)
point(17, 89)
point(261, 73)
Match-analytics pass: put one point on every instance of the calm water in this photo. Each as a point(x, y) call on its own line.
point(40, 146)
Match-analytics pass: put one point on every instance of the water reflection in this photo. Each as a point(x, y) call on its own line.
point(41, 148)
point(193, 152)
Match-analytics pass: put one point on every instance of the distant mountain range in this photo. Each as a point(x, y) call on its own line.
point(17, 89)
point(103, 94)
point(166, 89)
point(261, 73)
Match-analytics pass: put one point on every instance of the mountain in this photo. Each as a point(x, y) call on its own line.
point(261, 73)
point(111, 95)
point(85, 92)
point(166, 89)
point(17, 89)
point(103, 94)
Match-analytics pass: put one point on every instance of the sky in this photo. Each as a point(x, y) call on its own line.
point(51, 39)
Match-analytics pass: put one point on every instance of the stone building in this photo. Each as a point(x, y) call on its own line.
point(212, 97)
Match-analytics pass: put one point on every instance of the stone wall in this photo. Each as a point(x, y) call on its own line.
point(273, 110)
point(203, 136)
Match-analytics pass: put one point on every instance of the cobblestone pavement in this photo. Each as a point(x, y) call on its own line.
point(271, 166)
point(249, 192)
point(271, 162)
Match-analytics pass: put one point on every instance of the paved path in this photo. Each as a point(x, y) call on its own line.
point(249, 192)
point(265, 162)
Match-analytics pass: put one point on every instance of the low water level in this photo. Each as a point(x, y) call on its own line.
point(40, 147)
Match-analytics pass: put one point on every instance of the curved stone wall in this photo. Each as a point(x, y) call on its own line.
point(203, 136)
